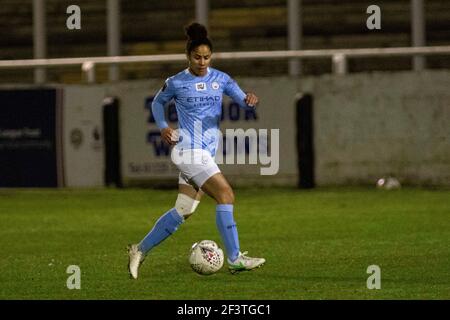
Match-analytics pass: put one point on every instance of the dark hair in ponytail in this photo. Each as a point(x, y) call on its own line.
point(197, 36)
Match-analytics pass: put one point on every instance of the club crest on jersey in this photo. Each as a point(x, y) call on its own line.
point(201, 86)
point(215, 85)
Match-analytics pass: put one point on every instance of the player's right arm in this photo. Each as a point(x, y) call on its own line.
point(163, 96)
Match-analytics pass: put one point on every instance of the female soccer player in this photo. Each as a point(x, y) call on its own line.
point(197, 92)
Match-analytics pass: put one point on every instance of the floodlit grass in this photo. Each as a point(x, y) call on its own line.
point(318, 244)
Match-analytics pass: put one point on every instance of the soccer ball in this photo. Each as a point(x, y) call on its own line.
point(206, 257)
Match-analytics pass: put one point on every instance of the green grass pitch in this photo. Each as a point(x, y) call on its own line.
point(318, 244)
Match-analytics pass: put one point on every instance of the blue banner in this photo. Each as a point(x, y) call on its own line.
point(28, 155)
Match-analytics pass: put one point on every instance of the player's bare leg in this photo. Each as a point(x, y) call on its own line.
point(219, 189)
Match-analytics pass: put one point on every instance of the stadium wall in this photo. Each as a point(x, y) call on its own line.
point(83, 136)
point(365, 126)
point(371, 125)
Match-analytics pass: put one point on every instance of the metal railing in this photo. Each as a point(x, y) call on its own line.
point(339, 58)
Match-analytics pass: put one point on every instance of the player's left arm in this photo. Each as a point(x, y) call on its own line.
point(247, 100)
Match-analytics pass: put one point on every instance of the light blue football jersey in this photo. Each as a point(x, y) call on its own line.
point(198, 101)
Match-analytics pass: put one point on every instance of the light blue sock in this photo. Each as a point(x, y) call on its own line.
point(167, 224)
point(228, 230)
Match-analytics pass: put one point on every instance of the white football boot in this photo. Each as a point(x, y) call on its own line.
point(244, 263)
point(136, 257)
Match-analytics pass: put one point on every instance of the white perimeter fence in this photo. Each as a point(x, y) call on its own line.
point(339, 58)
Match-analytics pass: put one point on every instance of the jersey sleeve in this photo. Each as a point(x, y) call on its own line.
point(164, 95)
point(233, 90)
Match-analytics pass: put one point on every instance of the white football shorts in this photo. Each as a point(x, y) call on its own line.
point(195, 165)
